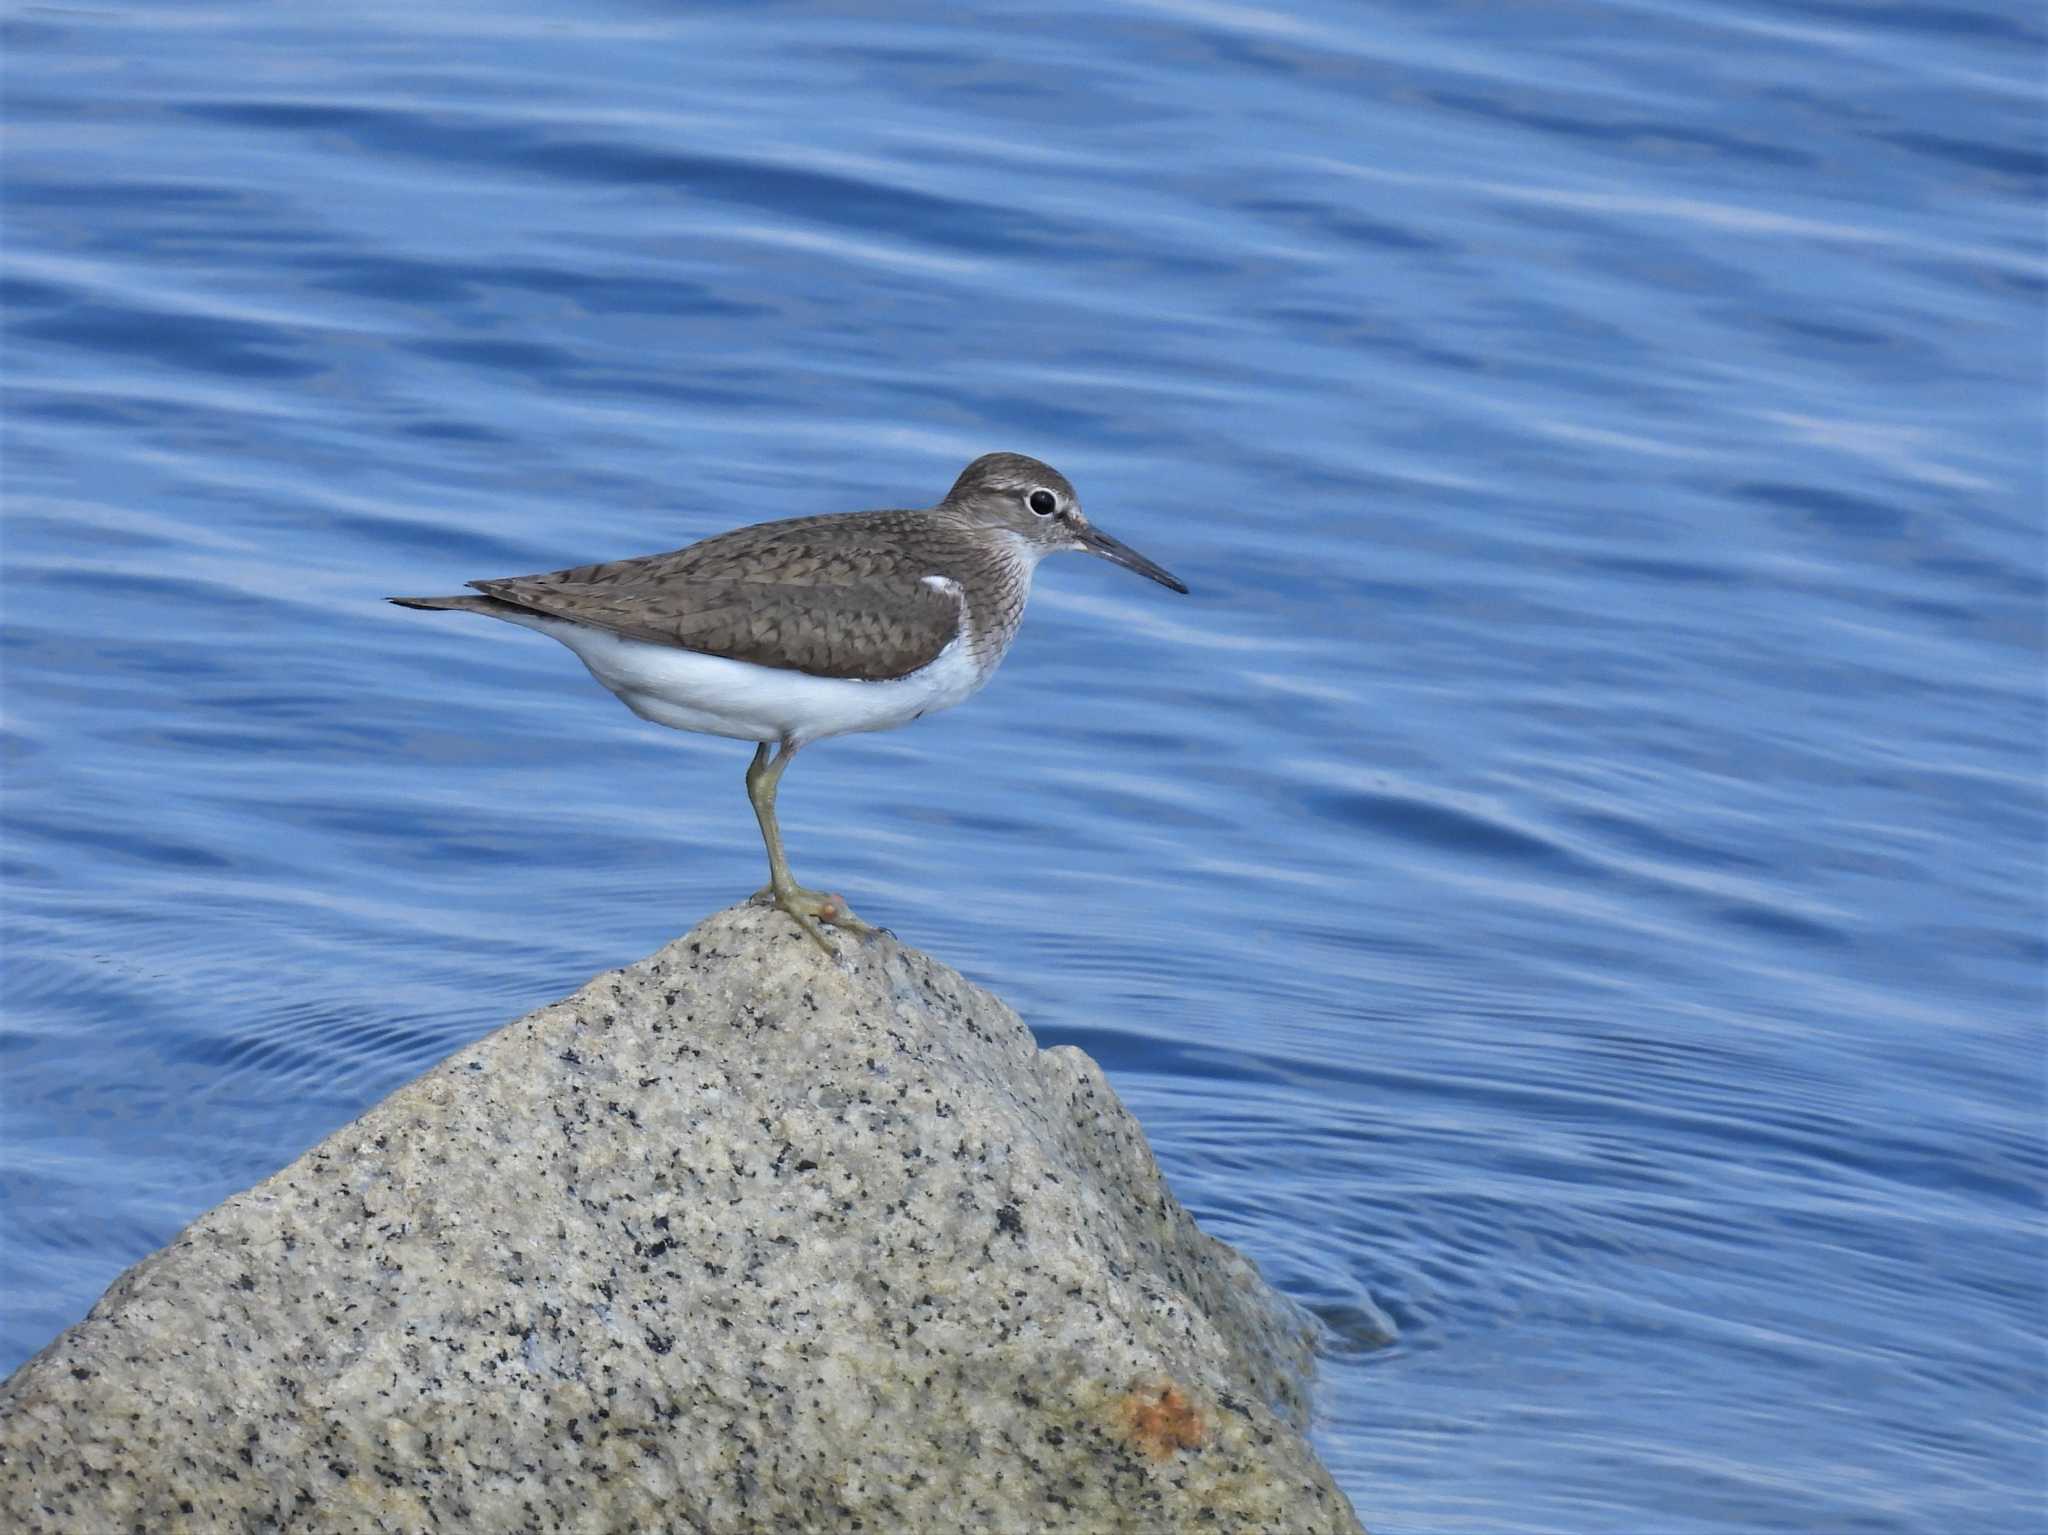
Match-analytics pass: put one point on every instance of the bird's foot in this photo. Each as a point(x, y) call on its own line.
point(811, 907)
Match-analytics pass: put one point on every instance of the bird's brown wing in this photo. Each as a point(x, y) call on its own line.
point(869, 632)
point(841, 595)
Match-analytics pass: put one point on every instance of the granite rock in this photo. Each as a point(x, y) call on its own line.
point(738, 1238)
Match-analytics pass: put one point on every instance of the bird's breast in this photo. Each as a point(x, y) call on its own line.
point(992, 588)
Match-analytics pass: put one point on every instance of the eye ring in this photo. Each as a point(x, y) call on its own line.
point(1043, 502)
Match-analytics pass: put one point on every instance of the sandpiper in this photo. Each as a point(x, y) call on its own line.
point(788, 632)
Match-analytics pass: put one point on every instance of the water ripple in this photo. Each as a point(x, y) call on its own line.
point(1563, 891)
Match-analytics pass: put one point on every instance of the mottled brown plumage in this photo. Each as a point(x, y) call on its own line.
point(835, 596)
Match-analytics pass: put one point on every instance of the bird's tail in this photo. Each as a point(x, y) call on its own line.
point(454, 604)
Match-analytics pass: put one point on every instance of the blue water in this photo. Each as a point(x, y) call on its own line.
point(1565, 893)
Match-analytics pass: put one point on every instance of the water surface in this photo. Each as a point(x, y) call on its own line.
point(1565, 893)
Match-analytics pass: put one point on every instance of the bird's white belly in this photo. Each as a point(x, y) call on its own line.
point(714, 695)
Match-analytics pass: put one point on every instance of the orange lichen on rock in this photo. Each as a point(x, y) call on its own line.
point(1160, 1420)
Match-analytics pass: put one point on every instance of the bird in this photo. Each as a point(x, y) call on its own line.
point(786, 633)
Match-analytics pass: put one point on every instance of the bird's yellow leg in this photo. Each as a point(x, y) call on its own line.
point(808, 907)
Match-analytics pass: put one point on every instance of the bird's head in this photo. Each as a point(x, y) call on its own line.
point(1035, 503)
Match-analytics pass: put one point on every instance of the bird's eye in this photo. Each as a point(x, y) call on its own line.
point(1043, 502)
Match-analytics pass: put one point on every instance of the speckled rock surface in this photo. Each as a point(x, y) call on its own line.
point(734, 1239)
